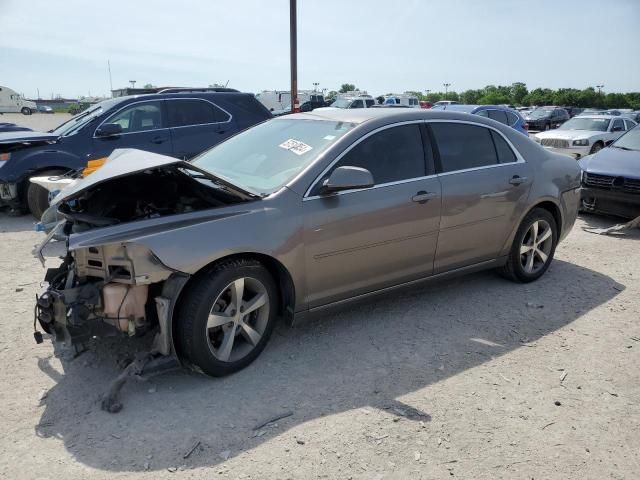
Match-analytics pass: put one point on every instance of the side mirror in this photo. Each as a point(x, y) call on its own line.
point(347, 178)
point(109, 130)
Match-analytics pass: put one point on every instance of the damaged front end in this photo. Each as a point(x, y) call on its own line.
point(109, 281)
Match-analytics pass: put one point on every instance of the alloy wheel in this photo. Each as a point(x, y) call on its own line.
point(238, 319)
point(536, 246)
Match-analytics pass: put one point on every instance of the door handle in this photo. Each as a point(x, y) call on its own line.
point(517, 180)
point(158, 140)
point(423, 197)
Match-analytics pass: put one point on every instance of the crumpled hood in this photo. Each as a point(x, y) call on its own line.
point(127, 161)
point(26, 137)
point(614, 162)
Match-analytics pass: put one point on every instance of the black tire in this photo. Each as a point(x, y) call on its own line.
point(513, 269)
point(26, 111)
point(37, 196)
point(596, 148)
point(194, 337)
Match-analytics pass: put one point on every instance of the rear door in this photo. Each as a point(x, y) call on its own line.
point(144, 126)
point(196, 125)
point(485, 185)
point(362, 240)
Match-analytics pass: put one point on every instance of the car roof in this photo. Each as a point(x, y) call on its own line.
point(610, 117)
point(361, 115)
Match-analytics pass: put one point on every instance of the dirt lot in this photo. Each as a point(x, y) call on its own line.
point(41, 122)
point(472, 378)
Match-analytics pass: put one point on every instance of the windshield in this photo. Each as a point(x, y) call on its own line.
point(342, 103)
point(76, 123)
point(539, 113)
point(581, 123)
point(629, 141)
point(266, 157)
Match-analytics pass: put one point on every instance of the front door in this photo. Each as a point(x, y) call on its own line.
point(484, 190)
point(362, 240)
point(144, 127)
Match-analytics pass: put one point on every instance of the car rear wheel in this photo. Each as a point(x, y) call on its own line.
point(37, 196)
point(227, 317)
point(596, 147)
point(533, 247)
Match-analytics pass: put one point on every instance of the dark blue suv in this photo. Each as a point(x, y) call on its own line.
point(180, 123)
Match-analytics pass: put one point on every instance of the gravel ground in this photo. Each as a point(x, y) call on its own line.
point(473, 378)
point(40, 122)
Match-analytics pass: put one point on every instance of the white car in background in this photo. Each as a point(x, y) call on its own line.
point(584, 134)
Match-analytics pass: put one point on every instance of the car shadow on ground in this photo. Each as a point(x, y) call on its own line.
point(23, 223)
point(593, 220)
point(365, 355)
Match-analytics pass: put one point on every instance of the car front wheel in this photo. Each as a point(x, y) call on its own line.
point(533, 247)
point(37, 196)
point(596, 148)
point(227, 316)
point(26, 111)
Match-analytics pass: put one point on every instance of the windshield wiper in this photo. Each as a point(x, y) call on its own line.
point(624, 148)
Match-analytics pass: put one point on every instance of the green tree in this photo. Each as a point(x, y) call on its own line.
point(518, 92)
point(331, 95)
point(347, 87)
point(470, 97)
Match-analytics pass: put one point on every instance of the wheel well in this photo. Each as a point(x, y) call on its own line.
point(282, 277)
point(24, 184)
point(553, 209)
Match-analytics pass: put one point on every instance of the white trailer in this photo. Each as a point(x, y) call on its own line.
point(12, 102)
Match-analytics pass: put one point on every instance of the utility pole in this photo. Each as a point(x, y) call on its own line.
point(315, 86)
point(133, 83)
point(293, 46)
point(110, 79)
point(446, 89)
point(427, 92)
point(599, 87)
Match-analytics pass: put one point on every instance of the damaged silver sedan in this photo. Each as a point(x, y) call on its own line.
point(292, 216)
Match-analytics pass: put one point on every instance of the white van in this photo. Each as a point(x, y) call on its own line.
point(12, 102)
point(402, 99)
point(278, 101)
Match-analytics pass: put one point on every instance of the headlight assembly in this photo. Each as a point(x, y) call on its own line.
point(581, 143)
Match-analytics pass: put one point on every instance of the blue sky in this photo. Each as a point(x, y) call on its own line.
point(62, 47)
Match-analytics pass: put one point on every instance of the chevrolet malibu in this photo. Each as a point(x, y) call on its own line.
point(295, 215)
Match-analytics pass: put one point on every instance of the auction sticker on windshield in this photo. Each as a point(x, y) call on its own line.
point(296, 146)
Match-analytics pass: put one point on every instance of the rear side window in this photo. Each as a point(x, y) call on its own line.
point(630, 124)
point(499, 116)
point(390, 155)
point(369, 103)
point(505, 154)
point(512, 118)
point(483, 113)
point(463, 146)
point(183, 113)
point(248, 104)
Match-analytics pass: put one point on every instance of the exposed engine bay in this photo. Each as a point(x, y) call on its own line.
point(119, 286)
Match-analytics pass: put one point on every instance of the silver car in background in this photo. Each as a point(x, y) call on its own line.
point(295, 215)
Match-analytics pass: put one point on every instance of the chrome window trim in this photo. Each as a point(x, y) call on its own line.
point(519, 158)
point(348, 149)
point(164, 128)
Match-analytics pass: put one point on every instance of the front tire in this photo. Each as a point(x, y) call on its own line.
point(533, 247)
point(37, 196)
point(227, 316)
point(26, 111)
point(596, 148)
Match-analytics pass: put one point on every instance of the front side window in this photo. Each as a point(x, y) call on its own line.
point(499, 116)
point(391, 155)
point(357, 104)
point(463, 146)
point(618, 125)
point(183, 113)
point(139, 117)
